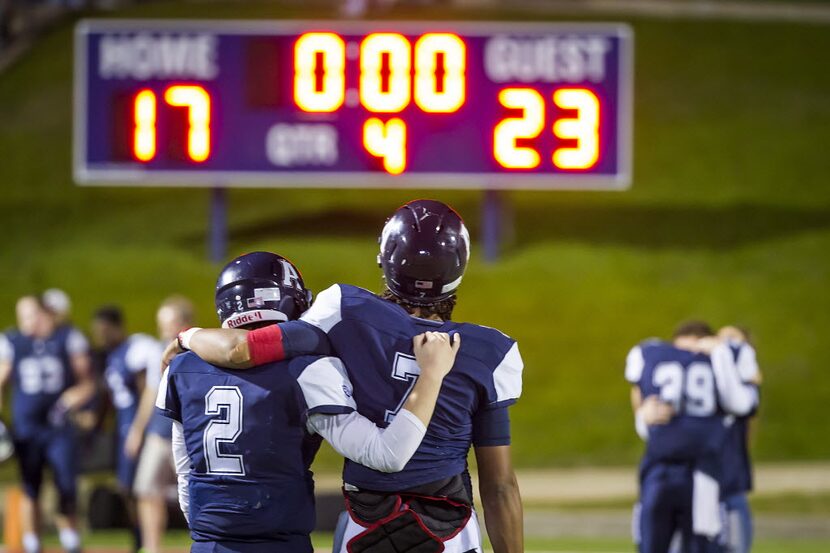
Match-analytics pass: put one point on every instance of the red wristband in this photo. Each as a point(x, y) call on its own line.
point(265, 345)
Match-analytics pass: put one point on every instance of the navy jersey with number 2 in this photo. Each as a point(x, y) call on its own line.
point(250, 486)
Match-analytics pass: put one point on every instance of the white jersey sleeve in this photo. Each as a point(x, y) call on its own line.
point(142, 352)
point(6, 349)
point(182, 463)
point(748, 364)
point(507, 378)
point(736, 397)
point(76, 343)
point(326, 387)
point(634, 365)
point(325, 312)
point(357, 438)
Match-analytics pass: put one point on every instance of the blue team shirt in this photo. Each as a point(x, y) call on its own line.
point(373, 337)
point(130, 358)
point(686, 380)
point(41, 372)
point(248, 446)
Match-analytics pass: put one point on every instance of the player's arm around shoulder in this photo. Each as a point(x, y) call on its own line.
point(225, 347)
point(237, 348)
point(736, 396)
point(327, 394)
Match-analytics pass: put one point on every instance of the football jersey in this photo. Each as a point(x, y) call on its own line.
point(41, 372)
point(373, 337)
point(685, 380)
point(133, 356)
point(248, 446)
point(159, 425)
point(736, 464)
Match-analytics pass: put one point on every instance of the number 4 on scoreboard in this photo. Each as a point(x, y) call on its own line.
point(388, 142)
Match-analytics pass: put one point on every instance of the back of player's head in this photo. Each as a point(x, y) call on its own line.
point(109, 314)
point(29, 311)
point(693, 329)
point(176, 313)
point(108, 327)
point(424, 250)
point(260, 287)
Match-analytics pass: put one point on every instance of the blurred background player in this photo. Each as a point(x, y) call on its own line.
point(736, 479)
point(85, 417)
point(424, 251)
point(128, 360)
point(155, 474)
point(49, 369)
point(696, 379)
point(244, 442)
point(735, 465)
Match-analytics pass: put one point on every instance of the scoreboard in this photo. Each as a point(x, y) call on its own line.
point(360, 104)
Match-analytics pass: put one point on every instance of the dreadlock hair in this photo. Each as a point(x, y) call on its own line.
point(442, 309)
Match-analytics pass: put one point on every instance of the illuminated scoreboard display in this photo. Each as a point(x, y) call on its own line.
point(369, 104)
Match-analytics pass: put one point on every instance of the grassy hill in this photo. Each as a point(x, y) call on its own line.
point(728, 219)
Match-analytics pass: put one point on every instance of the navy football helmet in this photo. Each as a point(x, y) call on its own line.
point(259, 287)
point(424, 250)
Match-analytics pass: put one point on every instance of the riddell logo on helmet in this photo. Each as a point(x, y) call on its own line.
point(423, 284)
point(244, 319)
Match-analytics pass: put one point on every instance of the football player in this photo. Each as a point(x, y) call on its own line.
point(151, 434)
point(244, 441)
point(128, 359)
point(682, 393)
point(736, 479)
point(424, 250)
point(49, 370)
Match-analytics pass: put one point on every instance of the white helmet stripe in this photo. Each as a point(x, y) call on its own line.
point(253, 316)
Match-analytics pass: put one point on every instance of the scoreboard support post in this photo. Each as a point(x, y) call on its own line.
point(218, 225)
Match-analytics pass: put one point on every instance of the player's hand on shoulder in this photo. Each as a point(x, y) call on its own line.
point(435, 352)
point(656, 411)
point(171, 351)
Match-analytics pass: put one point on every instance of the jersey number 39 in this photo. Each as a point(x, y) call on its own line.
point(691, 391)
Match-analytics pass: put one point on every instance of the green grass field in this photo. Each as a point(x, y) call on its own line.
point(116, 540)
point(728, 219)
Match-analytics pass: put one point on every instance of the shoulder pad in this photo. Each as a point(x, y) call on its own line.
point(326, 310)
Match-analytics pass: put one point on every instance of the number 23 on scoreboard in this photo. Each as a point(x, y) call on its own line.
point(583, 128)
